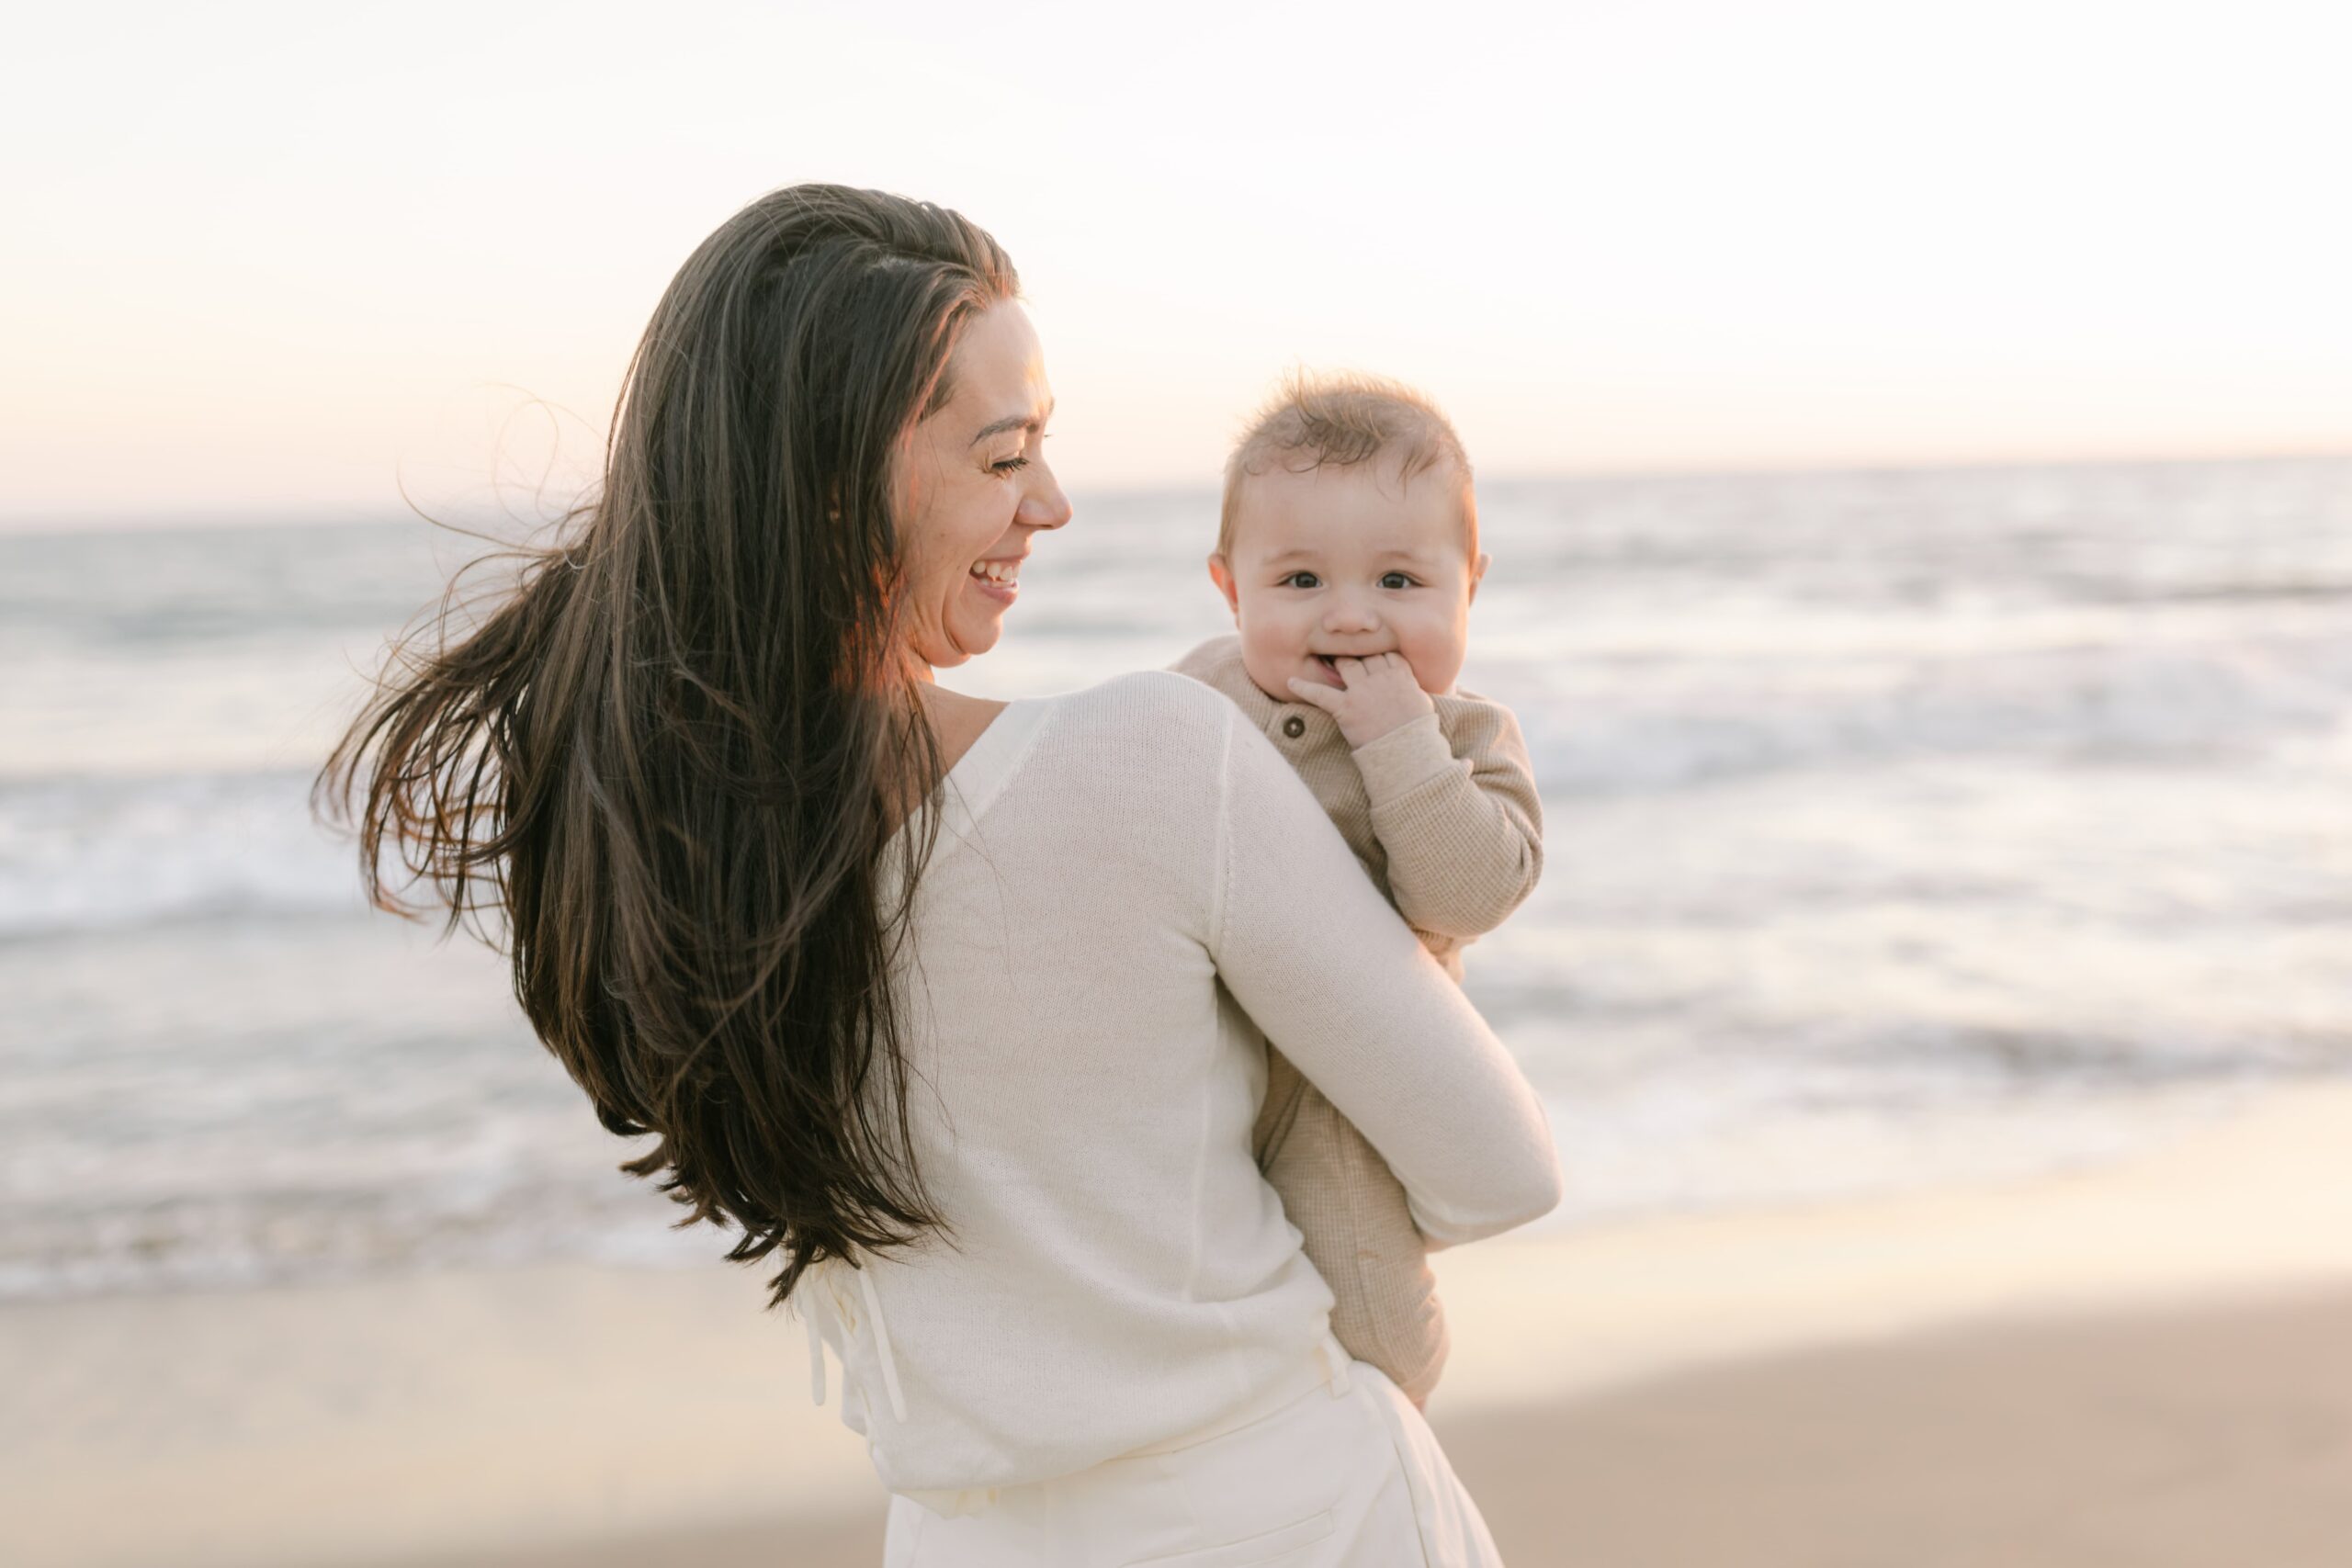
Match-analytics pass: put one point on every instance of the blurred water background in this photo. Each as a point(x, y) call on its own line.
point(1903, 828)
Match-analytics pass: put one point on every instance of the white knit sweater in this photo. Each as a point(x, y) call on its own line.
point(1129, 885)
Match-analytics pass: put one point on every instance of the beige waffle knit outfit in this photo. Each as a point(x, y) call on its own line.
point(1443, 817)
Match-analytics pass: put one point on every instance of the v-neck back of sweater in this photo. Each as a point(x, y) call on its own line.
point(1127, 887)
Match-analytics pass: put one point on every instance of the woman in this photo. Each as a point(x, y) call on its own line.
point(957, 1008)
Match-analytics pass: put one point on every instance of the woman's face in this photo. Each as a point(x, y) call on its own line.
point(974, 490)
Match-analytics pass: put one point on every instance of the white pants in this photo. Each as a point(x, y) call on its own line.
point(1347, 1475)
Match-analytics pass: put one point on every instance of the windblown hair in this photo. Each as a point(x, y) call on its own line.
point(670, 765)
point(1339, 420)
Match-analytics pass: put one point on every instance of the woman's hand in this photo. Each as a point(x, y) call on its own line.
point(1374, 696)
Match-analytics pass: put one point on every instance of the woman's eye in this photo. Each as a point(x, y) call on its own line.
point(1009, 465)
point(1302, 579)
point(1396, 579)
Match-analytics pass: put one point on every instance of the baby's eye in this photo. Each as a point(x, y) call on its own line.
point(1301, 580)
point(1395, 580)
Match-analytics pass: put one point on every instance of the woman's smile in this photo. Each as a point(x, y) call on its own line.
point(975, 479)
point(998, 580)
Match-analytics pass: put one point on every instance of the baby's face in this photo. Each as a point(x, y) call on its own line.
point(1339, 562)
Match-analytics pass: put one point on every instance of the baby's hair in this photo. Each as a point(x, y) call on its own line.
point(1343, 418)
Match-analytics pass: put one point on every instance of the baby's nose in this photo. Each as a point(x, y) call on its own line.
point(1349, 613)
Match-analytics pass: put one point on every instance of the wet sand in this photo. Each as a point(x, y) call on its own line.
point(2148, 1363)
point(2218, 1435)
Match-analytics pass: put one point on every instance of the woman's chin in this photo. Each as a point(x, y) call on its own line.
point(963, 643)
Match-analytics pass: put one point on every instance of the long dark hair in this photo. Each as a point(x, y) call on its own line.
point(664, 773)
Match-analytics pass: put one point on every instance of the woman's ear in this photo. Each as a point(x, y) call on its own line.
point(1221, 573)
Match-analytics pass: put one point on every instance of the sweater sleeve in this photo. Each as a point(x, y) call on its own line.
point(1457, 813)
point(1339, 986)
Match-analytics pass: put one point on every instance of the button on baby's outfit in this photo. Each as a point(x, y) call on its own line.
point(1294, 727)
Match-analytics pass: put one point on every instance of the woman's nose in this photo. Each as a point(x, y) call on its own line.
point(1043, 505)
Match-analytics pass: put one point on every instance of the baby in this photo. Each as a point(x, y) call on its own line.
point(1349, 554)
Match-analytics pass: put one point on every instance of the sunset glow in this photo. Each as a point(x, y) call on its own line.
point(292, 260)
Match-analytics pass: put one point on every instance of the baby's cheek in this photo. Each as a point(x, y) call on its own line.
point(1269, 654)
point(1435, 653)
point(1276, 635)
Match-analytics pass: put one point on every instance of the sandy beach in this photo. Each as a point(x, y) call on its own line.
point(2149, 1362)
point(2163, 1438)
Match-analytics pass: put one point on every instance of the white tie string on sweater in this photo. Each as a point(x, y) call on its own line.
point(845, 1318)
point(830, 1296)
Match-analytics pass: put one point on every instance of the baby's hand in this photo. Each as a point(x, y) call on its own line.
point(1375, 695)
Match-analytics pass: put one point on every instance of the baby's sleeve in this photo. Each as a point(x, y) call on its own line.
point(1318, 959)
point(1456, 811)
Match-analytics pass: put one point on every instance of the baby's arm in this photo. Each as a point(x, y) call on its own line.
point(1454, 808)
point(1458, 817)
point(1318, 959)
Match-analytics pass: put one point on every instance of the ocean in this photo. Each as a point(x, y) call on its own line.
point(1903, 828)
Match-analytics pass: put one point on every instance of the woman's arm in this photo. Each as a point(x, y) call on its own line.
point(1338, 982)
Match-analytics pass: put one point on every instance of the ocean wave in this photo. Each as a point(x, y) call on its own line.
point(89, 853)
point(81, 854)
point(221, 1241)
point(1657, 1145)
point(1602, 729)
point(1903, 828)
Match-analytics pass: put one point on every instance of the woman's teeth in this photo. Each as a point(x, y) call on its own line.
point(1004, 571)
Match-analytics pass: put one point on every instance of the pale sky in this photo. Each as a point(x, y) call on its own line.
point(287, 260)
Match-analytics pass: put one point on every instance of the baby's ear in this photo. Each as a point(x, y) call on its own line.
point(1221, 573)
point(1478, 574)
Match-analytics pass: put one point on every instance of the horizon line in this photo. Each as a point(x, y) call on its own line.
point(345, 513)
